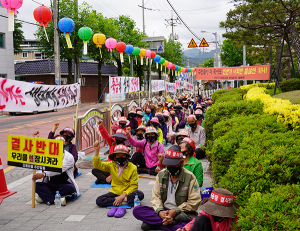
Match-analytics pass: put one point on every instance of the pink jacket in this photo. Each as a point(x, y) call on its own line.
point(150, 154)
point(216, 226)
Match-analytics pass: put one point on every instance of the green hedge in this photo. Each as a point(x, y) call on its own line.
point(235, 94)
point(290, 85)
point(277, 210)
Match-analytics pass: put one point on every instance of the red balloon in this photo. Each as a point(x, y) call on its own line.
point(185, 70)
point(153, 54)
point(121, 47)
point(43, 15)
point(173, 67)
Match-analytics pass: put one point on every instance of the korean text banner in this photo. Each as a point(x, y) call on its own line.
point(171, 87)
point(189, 86)
point(35, 153)
point(234, 73)
point(18, 96)
point(157, 85)
point(121, 85)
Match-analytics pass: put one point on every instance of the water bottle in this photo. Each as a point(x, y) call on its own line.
point(136, 201)
point(57, 201)
point(106, 146)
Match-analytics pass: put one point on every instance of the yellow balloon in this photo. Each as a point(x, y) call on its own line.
point(142, 53)
point(99, 39)
point(166, 63)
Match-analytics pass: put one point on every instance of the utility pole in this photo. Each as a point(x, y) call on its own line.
point(172, 22)
point(244, 56)
point(143, 17)
point(56, 44)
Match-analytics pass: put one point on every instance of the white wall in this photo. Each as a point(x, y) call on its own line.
point(7, 66)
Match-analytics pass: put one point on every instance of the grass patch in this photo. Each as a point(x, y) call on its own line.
point(293, 96)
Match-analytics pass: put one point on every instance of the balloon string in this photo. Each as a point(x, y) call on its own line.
point(100, 52)
point(46, 33)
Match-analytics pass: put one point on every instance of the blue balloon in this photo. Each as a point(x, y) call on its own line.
point(157, 58)
point(66, 25)
point(176, 68)
point(129, 49)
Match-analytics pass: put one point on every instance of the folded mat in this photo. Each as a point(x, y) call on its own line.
point(122, 206)
point(100, 185)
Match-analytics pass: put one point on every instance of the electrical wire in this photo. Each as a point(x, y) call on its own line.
point(35, 24)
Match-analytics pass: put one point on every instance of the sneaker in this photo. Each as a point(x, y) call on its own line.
point(147, 227)
point(181, 217)
point(63, 201)
point(120, 212)
point(98, 181)
point(38, 199)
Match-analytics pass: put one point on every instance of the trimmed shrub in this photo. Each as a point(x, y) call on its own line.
point(263, 161)
point(228, 134)
point(277, 210)
point(227, 95)
point(290, 85)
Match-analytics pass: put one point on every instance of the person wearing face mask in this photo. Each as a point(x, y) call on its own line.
point(168, 122)
point(175, 120)
point(198, 135)
point(135, 158)
point(118, 138)
point(132, 121)
point(54, 181)
point(199, 116)
point(190, 163)
point(124, 185)
point(68, 133)
point(175, 196)
point(153, 109)
point(139, 117)
point(148, 159)
point(186, 109)
point(159, 107)
point(197, 101)
point(146, 115)
point(121, 123)
point(163, 125)
point(154, 122)
point(181, 135)
point(217, 214)
point(180, 116)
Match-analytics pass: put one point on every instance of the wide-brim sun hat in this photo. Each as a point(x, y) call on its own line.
point(198, 112)
point(173, 156)
point(120, 133)
point(220, 204)
point(132, 112)
point(123, 119)
point(151, 129)
point(183, 133)
point(155, 120)
point(159, 114)
point(119, 149)
point(139, 113)
point(142, 127)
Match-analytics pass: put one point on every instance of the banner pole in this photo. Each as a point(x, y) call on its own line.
point(139, 98)
point(33, 189)
point(109, 113)
point(76, 124)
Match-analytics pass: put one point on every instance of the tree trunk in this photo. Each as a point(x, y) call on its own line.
point(288, 66)
point(295, 43)
point(70, 71)
point(278, 49)
point(100, 81)
point(119, 65)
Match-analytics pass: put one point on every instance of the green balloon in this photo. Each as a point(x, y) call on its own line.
point(136, 51)
point(85, 33)
point(162, 61)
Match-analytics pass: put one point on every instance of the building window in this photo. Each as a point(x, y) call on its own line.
point(3, 76)
point(1, 40)
point(1, 5)
point(25, 55)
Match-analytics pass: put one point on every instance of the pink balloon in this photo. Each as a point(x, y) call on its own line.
point(12, 5)
point(148, 54)
point(111, 44)
point(194, 69)
point(170, 65)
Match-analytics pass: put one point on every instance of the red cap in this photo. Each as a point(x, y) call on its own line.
point(190, 142)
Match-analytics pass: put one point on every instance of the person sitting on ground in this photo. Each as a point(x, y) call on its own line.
point(181, 135)
point(159, 107)
point(218, 213)
point(68, 133)
point(163, 125)
point(180, 116)
point(175, 120)
point(139, 117)
point(154, 122)
point(153, 109)
point(132, 121)
point(168, 122)
point(121, 123)
point(147, 160)
point(146, 115)
point(175, 196)
point(186, 110)
point(124, 185)
point(197, 101)
point(170, 106)
point(198, 135)
point(138, 109)
point(118, 138)
point(54, 181)
point(140, 131)
point(199, 116)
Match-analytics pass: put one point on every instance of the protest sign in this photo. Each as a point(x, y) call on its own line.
point(115, 97)
point(171, 87)
point(35, 153)
point(189, 86)
point(18, 96)
point(121, 85)
point(157, 85)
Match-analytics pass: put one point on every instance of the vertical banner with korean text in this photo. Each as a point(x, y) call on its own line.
point(35, 153)
point(157, 85)
point(171, 87)
point(121, 85)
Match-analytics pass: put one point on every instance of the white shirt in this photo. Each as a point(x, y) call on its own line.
point(170, 203)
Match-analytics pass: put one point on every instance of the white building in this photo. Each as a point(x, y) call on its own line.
point(7, 67)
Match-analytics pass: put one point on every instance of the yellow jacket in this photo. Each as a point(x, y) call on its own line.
point(126, 183)
point(160, 137)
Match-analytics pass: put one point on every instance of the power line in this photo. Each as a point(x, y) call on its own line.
point(182, 20)
point(25, 21)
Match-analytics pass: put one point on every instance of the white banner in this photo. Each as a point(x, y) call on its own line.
point(115, 97)
point(158, 85)
point(189, 86)
point(17, 96)
point(171, 87)
point(120, 85)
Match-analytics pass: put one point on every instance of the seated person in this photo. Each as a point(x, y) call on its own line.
point(186, 109)
point(168, 122)
point(163, 125)
point(132, 122)
point(175, 120)
point(146, 115)
point(139, 117)
point(175, 196)
point(140, 131)
point(154, 122)
point(116, 139)
point(199, 116)
point(180, 116)
point(198, 135)
point(153, 109)
point(121, 123)
point(124, 185)
point(181, 135)
point(151, 149)
point(54, 181)
point(218, 213)
point(159, 107)
point(68, 133)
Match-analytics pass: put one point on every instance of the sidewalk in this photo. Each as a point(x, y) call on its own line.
point(82, 214)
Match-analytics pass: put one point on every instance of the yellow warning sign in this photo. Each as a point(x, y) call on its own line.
point(204, 43)
point(192, 44)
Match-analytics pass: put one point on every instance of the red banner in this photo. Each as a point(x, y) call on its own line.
point(234, 73)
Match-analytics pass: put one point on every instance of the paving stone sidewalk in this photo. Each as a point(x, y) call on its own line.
point(82, 214)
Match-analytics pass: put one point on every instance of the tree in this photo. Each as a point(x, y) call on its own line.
point(18, 36)
point(232, 56)
point(261, 22)
point(209, 62)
